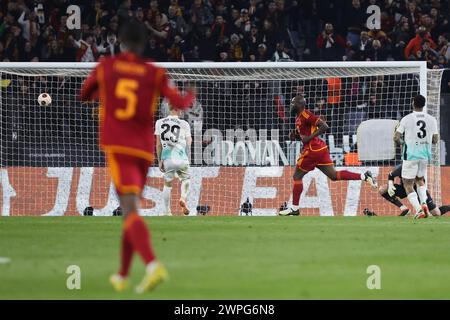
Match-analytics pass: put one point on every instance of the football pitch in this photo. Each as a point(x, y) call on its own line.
point(232, 257)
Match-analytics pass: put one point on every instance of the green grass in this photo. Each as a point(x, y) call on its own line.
point(232, 257)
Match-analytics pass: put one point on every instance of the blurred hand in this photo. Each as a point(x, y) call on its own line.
point(192, 89)
point(391, 188)
point(293, 135)
point(305, 139)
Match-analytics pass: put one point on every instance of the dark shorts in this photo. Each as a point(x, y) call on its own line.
point(400, 192)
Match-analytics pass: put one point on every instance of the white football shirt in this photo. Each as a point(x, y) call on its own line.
point(419, 128)
point(173, 133)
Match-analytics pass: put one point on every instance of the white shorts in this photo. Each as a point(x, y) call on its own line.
point(176, 168)
point(414, 168)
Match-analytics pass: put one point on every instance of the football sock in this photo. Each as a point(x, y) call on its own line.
point(139, 236)
point(151, 266)
point(392, 200)
point(126, 255)
point(296, 193)
point(166, 198)
point(403, 207)
point(185, 184)
point(414, 200)
point(347, 175)
point(444, 209)
point(422, 192)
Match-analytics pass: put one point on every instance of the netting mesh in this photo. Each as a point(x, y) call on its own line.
point(51, 164)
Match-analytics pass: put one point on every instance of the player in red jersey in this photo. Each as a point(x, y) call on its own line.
point(129, 89)
point(315, 154)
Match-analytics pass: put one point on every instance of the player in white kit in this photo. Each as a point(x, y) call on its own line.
point(173, 140)
point(420, 132)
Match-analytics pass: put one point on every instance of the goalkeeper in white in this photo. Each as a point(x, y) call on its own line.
point(173, 141)
point(420, 132)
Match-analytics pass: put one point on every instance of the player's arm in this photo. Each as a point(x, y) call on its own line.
point(158, 145)
point(188, 139)
point(158, 153)
point(391, 177)
point(435, 138)
point(322, 127)
point(398, 138)
point(397, 172)
point(188, 145)
point(176, 99)
point(293, 136)
point(399, 131)
point(89, 90)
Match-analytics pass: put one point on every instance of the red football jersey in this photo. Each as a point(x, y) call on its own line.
point(129, 89)
point(306, 124)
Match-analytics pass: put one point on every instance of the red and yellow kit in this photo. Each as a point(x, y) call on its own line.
point(315, 153)
point(129, 89)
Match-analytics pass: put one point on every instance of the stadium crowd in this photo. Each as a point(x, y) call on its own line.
point(229, 30)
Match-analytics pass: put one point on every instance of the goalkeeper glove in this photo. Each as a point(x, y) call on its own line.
point(391, 188)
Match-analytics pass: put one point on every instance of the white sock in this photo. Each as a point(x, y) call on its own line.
point(422, 191)
point(295, 208)
point(166, 197)
point(152, 266)
point(185, 184)
point(403, 207)
point(414, 200)
point(363, 176)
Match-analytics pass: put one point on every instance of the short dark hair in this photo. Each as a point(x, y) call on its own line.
point(419, 101)
point(134, 36)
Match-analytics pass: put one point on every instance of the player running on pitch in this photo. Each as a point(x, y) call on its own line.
point(129, 89)
point(173, 141)
point(315, 154)
point(392, 191)
point(420, 132)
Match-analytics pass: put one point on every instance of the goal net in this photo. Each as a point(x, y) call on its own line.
point(51, 163)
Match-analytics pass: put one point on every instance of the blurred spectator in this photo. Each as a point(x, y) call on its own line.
point(29, 54)
point(111, 47)
point(155, 51)
point(401, 37)
point(415, 44)
point(443, 47)
point(160, 29)
point(55, 53)
point(87, 49)
point(176, 21)
point(207, 47)
point(363, 48)
point(230, 30)
point(219, 29)
point(331, 45)
point(237, 50)
point(253, 39)
point(269, 35)
point(280, 53)
point(378, 52)
point(30, 28)
point(427, 53)
point(261, 54)
point(201, 15)
point(354, 19)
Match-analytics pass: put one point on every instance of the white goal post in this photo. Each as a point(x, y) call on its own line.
point(51, 164)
